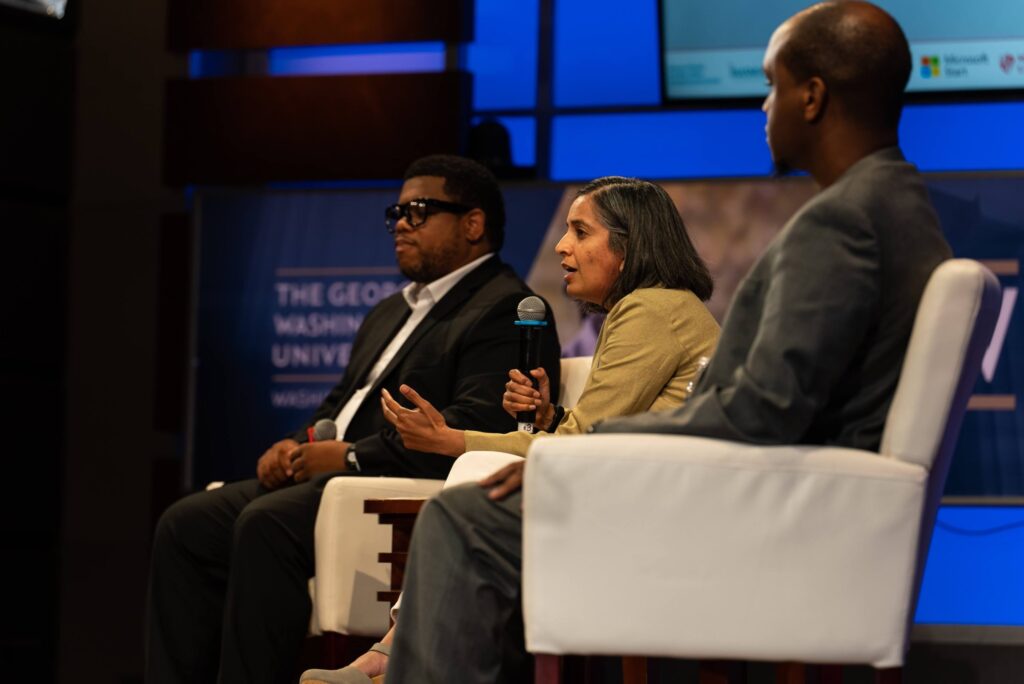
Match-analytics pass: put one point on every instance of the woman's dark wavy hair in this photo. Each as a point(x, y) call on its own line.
point(646, 228)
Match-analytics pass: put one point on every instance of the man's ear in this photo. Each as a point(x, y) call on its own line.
point(815, 98)
point(474, 225)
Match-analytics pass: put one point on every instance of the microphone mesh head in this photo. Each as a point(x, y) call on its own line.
point(531, 309)
point(324, 430)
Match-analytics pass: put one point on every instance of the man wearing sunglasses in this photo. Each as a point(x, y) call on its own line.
point(228, 585)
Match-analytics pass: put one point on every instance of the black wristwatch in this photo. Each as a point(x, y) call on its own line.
point(351, 462)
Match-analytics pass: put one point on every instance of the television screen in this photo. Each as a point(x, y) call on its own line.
point(50, 8)
point(713, 50)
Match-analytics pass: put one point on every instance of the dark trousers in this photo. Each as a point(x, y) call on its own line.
point(228, 588)
point(461, 617)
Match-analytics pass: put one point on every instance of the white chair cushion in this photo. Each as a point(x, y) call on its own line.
point(474, 466)
point(815, 545)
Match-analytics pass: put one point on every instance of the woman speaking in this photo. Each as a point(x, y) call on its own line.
point(625, 251)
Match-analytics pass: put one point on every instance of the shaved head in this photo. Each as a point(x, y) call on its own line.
point(859, 51)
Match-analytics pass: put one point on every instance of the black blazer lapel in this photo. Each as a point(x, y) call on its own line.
point(462, 291)
point(378, 335)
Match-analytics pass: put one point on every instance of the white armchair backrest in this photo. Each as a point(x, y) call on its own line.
point(953, 326)
point(575, 371)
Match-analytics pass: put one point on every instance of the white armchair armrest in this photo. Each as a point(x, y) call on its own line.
point(631, 541)
point(474, 466)
point(348, 574)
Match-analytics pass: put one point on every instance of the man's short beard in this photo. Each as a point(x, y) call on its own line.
point(431, 267)
point(423, 273)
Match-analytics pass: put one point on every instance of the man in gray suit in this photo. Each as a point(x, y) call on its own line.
point(813, 344)
point(810, 351)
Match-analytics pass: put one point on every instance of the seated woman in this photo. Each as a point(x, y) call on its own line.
point(625, 251)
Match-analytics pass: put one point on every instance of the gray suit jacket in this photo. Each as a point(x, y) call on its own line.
point(813, 344)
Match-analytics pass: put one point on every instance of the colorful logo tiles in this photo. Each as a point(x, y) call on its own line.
point(1010, 64)
point(930, 66)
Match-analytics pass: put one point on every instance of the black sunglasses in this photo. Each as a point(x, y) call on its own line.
point(417, 211)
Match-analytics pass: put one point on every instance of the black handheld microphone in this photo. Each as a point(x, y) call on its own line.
point(531, 326)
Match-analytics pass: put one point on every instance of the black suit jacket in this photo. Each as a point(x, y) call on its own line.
point(457, 358)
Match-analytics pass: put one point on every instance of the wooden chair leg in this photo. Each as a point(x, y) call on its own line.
point(721, 672)
point(830, 674)
point(575, 669)
point(547, 669)
point(790, 673)
point(890, 675)
point(634, 670)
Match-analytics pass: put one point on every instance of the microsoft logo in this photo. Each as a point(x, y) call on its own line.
point(930, 66)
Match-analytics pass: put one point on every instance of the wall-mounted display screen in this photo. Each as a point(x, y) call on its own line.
point(50, 8)
point(714, 50)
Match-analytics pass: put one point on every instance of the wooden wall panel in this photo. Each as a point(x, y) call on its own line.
point(252, 130)
point(173, 323)
point(36, 117)
point(253, 24)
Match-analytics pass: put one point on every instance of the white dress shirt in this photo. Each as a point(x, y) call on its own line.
point(421, 299)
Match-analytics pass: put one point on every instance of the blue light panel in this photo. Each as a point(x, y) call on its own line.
point(522, 131)
point(965, 137)
point(389, 58)
point(973, 575)
point(697, 144)
point(708, 144)
point(606, 53)
point(503, 54)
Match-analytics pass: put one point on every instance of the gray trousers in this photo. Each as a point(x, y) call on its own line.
point(461, 618)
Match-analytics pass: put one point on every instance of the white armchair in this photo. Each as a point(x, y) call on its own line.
point(698, 548)
point(348, 574)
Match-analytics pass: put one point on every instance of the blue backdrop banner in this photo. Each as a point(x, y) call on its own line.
point(285, 280)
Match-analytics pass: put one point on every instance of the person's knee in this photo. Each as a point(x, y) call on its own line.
point(469, 508)
point(177, 522)
point(270, 518)
point(457, 503)
point(461, 497)
point(253, 521)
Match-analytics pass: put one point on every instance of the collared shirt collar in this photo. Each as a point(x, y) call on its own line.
point(434, 291)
